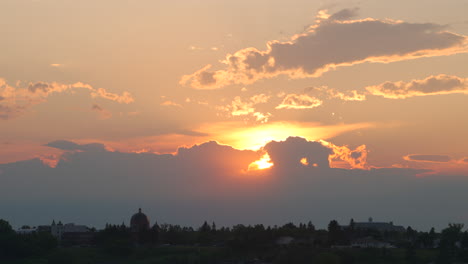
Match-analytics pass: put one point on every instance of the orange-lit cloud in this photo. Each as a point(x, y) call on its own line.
point(239, 107)
point(299, 101)
point(14, 101)
point(332, 42)
point(353, 96)
point(344, 157)
point(432, 85)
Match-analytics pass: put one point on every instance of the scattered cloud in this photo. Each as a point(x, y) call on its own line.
point(351, 96)
point(239, 107)
point(432, 85)
point(17, 100)
point(262, 117)
point(332, 42)
point(299, 101)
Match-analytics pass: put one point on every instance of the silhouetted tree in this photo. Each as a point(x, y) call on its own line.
point(334, 232)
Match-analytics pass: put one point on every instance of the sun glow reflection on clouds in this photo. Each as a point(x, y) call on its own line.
point(242, 136)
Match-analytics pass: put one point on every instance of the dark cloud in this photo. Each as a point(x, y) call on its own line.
point(40, 86)
point(331, 43)
point(345, 14)
point(430, 158)
point(288, 154)
point(69, 145)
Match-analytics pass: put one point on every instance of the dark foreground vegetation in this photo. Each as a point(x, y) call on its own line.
point(173, 244)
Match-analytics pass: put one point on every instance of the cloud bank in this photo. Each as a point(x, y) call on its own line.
point(211, 182)
point(333, 41)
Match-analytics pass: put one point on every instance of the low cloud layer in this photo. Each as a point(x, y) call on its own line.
point(333, 41)
point(15, 101)
point(211, 182)
point(432, 85)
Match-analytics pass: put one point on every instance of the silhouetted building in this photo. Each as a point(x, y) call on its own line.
point(379, 226)
point(68, 230)
point(139, 222)
point(25, 230)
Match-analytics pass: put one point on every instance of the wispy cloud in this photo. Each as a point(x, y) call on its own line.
point(15, 101)
point(170, 103)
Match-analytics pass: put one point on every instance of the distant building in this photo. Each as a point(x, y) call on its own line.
point(71, 234)
point(379, 226)
point(25, 230)
point(57, 230)
point(139, 222)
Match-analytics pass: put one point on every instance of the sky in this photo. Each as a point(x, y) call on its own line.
point(262, 111)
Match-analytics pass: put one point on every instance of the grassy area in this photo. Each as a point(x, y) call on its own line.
point(201, 255)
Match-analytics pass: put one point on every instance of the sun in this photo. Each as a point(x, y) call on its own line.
point(263, 163)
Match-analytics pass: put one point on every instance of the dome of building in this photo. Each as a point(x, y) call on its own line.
point(139, 222)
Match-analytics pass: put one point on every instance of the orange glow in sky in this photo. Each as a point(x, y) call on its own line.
point(241, 136)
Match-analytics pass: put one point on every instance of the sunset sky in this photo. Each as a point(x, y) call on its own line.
point(261, 111)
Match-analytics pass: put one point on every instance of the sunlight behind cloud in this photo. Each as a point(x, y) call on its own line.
point(242, 136)
point(263, 163)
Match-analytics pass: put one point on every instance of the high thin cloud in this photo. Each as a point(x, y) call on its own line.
point(14, 101)
point(428, 158)
point(333, 41)
point(432, 85)
point(299, 101)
